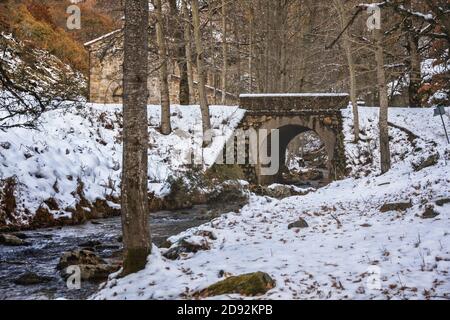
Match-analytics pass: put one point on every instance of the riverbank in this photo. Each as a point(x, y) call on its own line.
point(68, 171)
point(103, 237)
point(371, 236)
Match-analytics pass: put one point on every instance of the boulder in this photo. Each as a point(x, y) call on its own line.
point(206, 234)
point(185, 246)
point(279, 191)
point(301, 224)
point(442, 202)
point(250, 285)
point(90, 244)
point(312, 175)
point(12, 240)
point(20, 235)
point(79, 257)
point(229, 196)
point(97, 272)
point(92, 267)
point(426, 162)
point(30, 278)
point(430, 213)
point(396, 206)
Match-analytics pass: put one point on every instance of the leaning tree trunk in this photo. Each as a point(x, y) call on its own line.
point(224, 52)
point(166, 128)
point(187, 44)
point(385, 155)
point(207, 136)
point(136, 234)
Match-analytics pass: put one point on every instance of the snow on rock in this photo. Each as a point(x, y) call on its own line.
point(351, 250)
point(83, 147)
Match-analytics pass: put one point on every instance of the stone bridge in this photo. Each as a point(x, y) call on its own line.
point(287, 116)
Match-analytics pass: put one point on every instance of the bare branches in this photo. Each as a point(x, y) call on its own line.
point(31, 83)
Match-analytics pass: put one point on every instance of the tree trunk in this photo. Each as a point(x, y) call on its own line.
point(224, 52)
point(207, 135)
point(212, 48)
point(351, 69)
point(238, 49)
point(163, 73)
point(414, 61)
point(353, 90)
point(136, 234)
point(385, 155)
point(180, 51)
point(415, 77)
point(250, 56)
point(187, 43)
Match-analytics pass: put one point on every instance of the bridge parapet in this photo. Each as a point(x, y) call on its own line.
point(294, 103)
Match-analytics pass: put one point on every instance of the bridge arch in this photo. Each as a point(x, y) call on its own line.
point(288, 129)
point(291, 115)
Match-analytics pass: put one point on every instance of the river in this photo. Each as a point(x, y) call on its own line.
point(47, 246)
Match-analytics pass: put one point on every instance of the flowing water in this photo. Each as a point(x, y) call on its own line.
point(47, 246)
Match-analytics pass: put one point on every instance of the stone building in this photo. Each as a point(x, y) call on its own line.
point(105, 74)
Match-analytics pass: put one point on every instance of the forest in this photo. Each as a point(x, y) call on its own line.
point(224, 150)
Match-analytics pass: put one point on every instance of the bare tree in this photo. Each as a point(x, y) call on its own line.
point(136, 234)
point(187, 43)
point(343, 13)
point(166, 128)
point(22, 102)
point(206, 121)
point(224, 52)
point(175, 29)
point(385, 154)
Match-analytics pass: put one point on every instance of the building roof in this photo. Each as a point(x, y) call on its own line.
point(103, 37)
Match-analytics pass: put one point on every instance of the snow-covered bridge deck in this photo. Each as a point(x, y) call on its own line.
point(294, 102)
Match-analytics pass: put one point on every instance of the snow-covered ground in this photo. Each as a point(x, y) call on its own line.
point(351, 249)
point(85, 144)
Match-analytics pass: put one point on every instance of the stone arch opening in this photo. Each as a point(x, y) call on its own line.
point(306, 161)
point(287, 134)
point(293, 114)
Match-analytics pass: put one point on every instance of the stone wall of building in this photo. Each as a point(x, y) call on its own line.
point(105, 78)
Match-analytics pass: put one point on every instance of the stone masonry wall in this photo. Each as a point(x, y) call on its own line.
point(105, 78)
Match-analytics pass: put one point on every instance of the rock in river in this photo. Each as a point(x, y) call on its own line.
point(12, 240)
point(30, 278)
point(79, 257)
point(91, 266)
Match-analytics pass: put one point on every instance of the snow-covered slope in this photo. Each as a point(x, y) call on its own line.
point(81, 147)
point(350, 250)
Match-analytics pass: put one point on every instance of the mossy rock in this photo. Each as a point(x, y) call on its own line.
point(300, 224)
point(396, 206)
point(250, 285)
point(224, 172)
point(231, 196)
